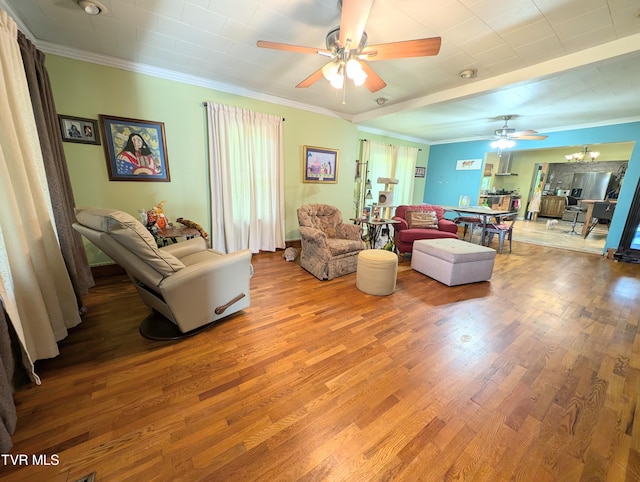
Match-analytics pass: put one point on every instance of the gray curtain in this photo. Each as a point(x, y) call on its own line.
point(44, 110)
point(7, 367)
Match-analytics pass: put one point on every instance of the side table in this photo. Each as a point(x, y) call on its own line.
point(171, 233)
point(375, 229)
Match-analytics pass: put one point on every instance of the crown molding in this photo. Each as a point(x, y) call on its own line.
point(84, 56)
point(395, 135)
point(16, 18)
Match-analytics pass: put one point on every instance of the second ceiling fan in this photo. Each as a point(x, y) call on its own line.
point(348, 51)
point(505, 136)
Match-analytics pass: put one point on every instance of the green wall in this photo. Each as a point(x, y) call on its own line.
point(86, 90)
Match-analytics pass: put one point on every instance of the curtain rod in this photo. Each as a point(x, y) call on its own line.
point(205, 103)
point(367, 140)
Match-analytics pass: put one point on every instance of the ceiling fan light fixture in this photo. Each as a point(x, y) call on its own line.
point(330, 70)
point(353, 68)
point(355, 72)
point(503, 144)
point(333, 72)
point(337, 81)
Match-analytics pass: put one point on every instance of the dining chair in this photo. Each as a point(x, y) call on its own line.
point(503, 227)
point(468, 222)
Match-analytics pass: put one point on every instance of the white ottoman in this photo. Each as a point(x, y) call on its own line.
point(377, 271)
point(453, 261)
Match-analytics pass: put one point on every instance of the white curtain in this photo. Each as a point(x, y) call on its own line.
point(390, 160)
point(404, 171)
point(34, 284)
point(246, 167)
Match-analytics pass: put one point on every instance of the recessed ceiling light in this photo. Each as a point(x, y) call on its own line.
point(381, 100)
point(468, 73)
point(92, 7)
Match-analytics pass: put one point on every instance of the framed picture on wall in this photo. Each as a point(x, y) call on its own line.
point(136, 150)
point(79, 129)
point(468, 164)
point(320, 165)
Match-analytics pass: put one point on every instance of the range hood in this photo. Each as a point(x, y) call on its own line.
point(504, 166)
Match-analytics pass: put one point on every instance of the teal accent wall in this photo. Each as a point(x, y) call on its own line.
point(444, 184)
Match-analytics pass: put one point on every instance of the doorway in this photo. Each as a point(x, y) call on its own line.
point(524, 168)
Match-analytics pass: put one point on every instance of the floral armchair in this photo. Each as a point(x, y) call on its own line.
point(329, 247)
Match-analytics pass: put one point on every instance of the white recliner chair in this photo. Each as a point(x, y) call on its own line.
point(190, 285)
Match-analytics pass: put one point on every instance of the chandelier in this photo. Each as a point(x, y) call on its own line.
point(582, 156)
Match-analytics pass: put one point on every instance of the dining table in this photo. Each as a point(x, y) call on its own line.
point(483, 212)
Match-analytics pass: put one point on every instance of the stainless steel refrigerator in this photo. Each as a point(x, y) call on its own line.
point(590, 185)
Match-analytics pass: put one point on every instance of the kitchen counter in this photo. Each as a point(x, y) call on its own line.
point(588, 218)
point(499, 201)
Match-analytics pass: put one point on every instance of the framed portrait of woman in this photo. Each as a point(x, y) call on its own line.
point(136, 150)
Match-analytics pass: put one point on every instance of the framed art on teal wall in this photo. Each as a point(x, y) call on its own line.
point(135, 149)
point(468, 164)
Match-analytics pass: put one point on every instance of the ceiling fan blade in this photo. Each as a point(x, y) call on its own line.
point(373, 82)
point(352, 22)
point(312, 79)
point(409, 48)
point(291, 48)
point(531, 137)
point(524, 133)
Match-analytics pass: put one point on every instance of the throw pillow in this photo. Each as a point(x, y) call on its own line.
point(423, 219)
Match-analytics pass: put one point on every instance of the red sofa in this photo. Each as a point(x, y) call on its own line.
point(405, 236)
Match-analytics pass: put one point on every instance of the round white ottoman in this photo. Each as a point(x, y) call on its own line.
point(377, 271)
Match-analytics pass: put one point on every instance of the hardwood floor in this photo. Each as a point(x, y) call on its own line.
point(558, 236)
point(533, 376)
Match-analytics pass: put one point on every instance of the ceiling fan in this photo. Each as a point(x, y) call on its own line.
point(348, 51)
point(504, 137)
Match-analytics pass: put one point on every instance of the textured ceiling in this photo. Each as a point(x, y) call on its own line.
point(552, 63)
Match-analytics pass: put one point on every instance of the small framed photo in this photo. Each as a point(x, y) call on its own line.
point(79, 129)
point(320, 165)
point(136, 150)
point(420, 172)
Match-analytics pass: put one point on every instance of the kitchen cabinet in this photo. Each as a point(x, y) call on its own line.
point(552, 206)
point(495, 201)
